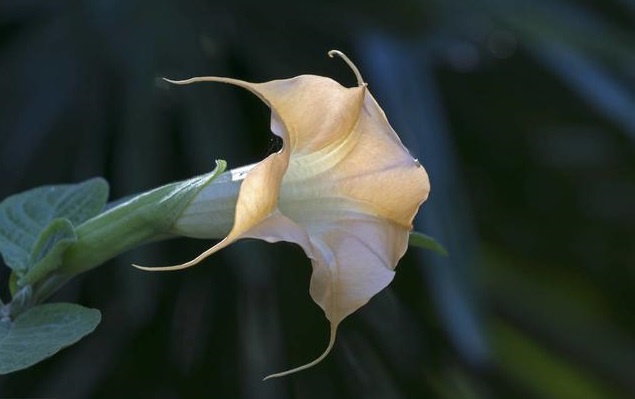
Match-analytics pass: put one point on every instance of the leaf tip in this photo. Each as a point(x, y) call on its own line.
point(424, 241)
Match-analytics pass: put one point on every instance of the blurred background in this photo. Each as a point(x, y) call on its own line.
point(523, 113)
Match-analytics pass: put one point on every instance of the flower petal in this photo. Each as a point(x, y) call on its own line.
point(352, 264)
point(349, 258)
point(373, 169)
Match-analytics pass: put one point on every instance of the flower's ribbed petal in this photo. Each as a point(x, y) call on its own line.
point(350, 266)
point(379, 172)
point(371, 167)
point(279, 227)
point(352, 261)
point(317, 112)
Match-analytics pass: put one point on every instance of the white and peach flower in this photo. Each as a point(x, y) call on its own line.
point(343, 187)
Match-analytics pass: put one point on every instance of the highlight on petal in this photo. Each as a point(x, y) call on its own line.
point(343, 187)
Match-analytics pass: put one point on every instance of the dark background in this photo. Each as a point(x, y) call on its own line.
point(523, 113)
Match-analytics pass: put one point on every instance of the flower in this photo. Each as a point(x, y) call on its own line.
point(343, 187)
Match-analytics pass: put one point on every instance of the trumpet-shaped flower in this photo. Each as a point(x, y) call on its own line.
point(343, 187)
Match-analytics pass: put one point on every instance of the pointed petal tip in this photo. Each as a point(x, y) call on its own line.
point(176, 82)
point(310, 364)
point(198, 79)
point(358, 75)
point(161, 268)
point(182, 266)
point(228, 240)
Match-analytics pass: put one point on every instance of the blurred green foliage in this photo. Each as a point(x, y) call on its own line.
point(522, 112)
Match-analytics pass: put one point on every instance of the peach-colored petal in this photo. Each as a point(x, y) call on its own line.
point(380, 164)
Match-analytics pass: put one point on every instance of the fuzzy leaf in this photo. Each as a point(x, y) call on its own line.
point(41, 332)
point(24, 216)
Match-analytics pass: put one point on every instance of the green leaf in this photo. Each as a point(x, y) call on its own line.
point(421, 240)
point(5, 327)
point(41, 332)
point(24, 216)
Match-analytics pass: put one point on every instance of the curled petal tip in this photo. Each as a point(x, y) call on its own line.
point(358, 75)
point(148, 269)
point(311, 364)
point(185, 265)
point(163, 268)
point(152, 269)
point(194, 80)
point(176, 82)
